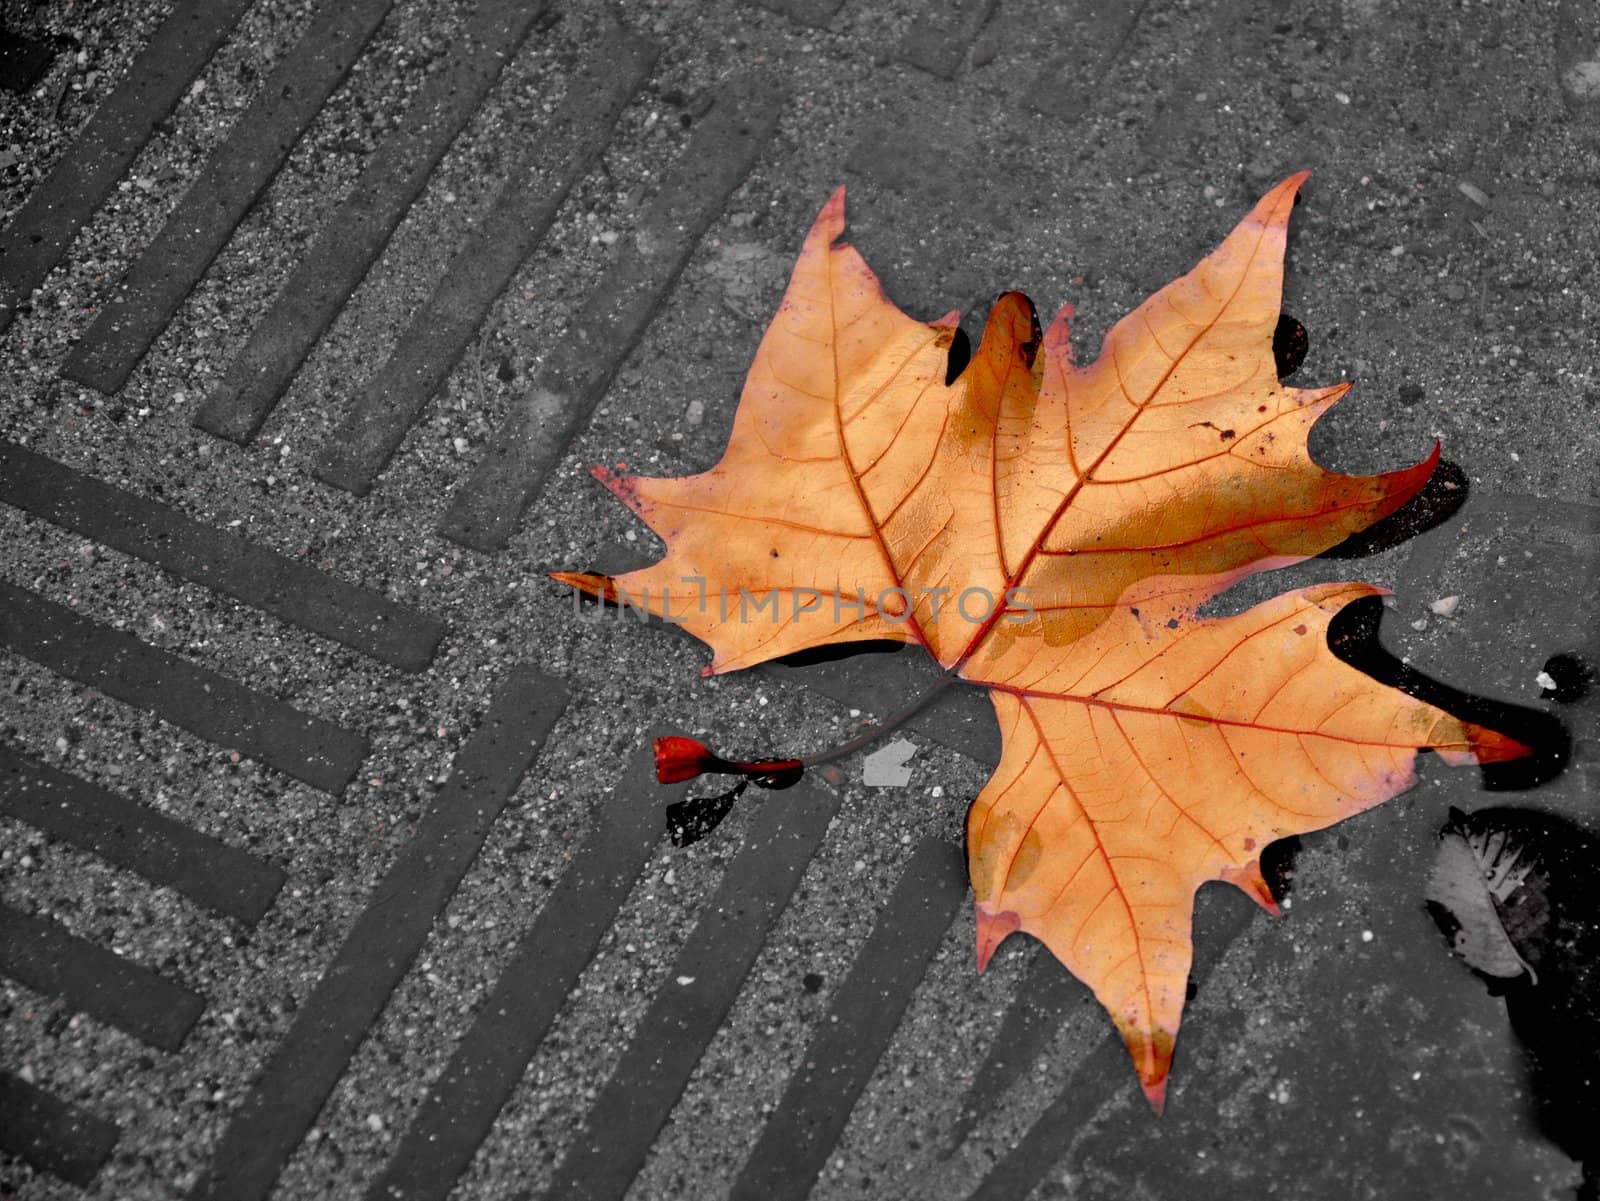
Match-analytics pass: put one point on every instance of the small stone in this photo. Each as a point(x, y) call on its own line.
point(1445, 605)
point(374, 1123)
point(1582, 80)
point(685, 981)
point(1455, 292)
point(694, 414)
point(1546, 681)
point(1473, 193)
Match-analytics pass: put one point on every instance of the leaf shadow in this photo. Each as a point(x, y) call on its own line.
point(1440, 499)
point(817, 655)
point(1353, 638)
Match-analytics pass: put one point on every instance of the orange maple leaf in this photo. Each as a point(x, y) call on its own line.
point(1049, 531)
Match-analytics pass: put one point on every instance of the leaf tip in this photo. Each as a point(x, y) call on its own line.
point(1486, 746)
point(1155, 1092)
point(589, 582)
point(1287, 193)
point(1058, 334)
point(994, 929)
point(830, 221)
point(1272, 210)
point(1151, 1046)
point(620, 483)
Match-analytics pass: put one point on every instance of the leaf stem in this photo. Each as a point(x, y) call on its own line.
point(894, 720)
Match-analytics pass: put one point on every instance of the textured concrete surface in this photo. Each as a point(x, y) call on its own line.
point(1443, 258)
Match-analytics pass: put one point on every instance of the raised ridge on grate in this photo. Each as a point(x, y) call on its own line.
point(202, 701)
point(391, 401)
point(1068, 85)
point(796, 1141)
point(59, 206)
point(487, 509)
point(353, 238)
point(1024, 1166)
point(45, 956)
point(1047, 995)
point(939, 44)
point(384, 940)
point(357, 617)
point(806, 12)
point(635, 1102)
point(52, 1135)
point(137, 837)
point(513, 1019)
point(234, 176)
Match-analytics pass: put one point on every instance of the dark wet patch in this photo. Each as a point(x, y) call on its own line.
point(1353, 638)
point(1571, 678)
point(1538, 889)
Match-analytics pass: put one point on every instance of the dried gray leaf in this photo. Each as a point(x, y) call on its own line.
point(1472, 872)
